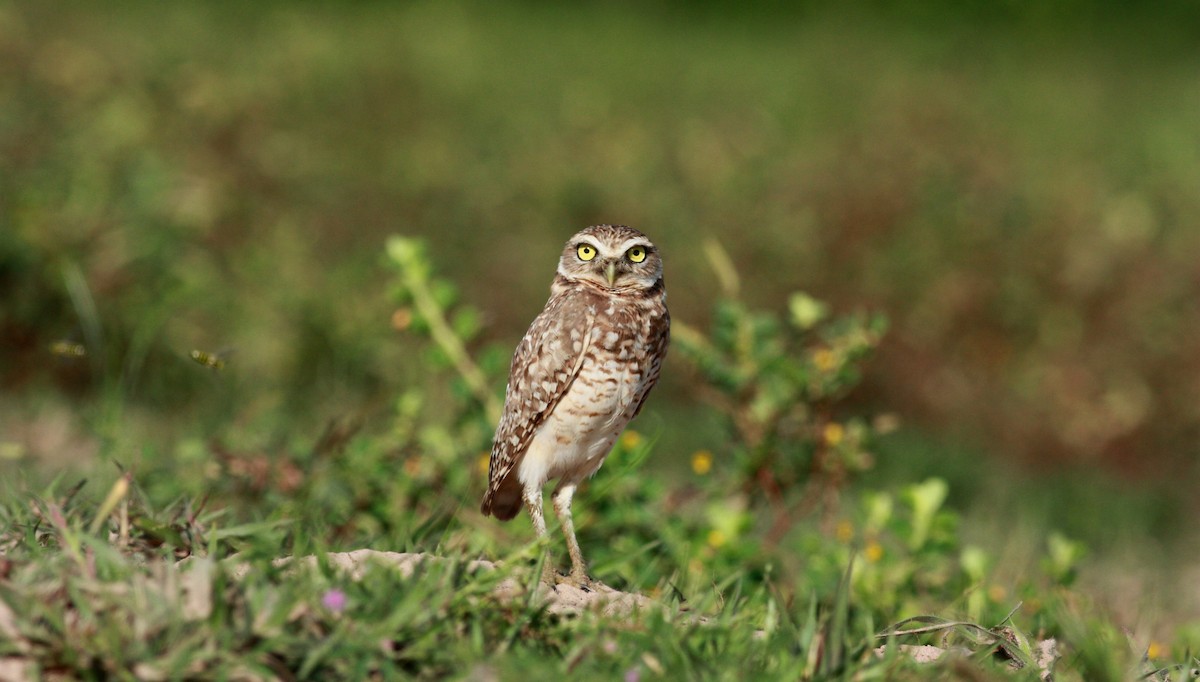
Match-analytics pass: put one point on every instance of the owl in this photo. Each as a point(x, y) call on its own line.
point(581, 373)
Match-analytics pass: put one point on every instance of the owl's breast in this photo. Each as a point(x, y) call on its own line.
point(573, 441)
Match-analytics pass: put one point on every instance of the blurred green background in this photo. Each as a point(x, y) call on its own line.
point(1014, 185)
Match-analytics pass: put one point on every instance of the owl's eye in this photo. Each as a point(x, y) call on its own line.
point(636, 255)
point(586, 252)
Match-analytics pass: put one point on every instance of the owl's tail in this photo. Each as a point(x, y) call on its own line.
point(504, 500)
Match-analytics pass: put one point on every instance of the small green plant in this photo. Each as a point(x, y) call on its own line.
point(777, 379)
point(429, 305)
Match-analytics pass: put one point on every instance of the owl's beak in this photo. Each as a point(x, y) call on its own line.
point(610, 272)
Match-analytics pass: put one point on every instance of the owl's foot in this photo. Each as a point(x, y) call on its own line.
point(580, 580)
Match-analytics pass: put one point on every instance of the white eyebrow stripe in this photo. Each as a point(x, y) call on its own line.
point(631, 242)
point(590, 241)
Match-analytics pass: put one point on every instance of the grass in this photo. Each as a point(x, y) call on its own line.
point(1010, 189)
point(82, 605)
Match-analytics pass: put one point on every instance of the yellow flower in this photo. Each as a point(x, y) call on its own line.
point(701, 462)
point(824, 359)
point(1155, 650)
point(402, 319)
point(834, 432)
point(716, 538)
point(873, 551)
point(631, 439)
point(484, 461)
point(844, 531)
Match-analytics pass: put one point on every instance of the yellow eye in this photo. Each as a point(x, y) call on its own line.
point(586, 252)
point(636, 255)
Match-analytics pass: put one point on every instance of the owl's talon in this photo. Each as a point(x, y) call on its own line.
point(580, 581)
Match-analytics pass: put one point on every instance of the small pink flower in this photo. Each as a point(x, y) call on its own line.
point(634, 674)
point(334, 600)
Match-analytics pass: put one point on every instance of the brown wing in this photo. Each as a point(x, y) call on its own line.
point(545, 364)
point(660, 333)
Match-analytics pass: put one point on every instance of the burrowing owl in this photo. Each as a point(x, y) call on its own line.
point(581, 373)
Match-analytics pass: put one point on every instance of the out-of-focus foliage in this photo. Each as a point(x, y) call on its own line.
point(777, 382)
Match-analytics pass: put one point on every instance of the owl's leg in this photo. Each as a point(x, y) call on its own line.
point(533, 501)
point(562, 508)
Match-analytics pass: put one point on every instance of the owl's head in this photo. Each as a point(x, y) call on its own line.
point(614, 257)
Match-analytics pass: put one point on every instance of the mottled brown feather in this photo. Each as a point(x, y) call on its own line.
point(661, 332)
point(503, 498)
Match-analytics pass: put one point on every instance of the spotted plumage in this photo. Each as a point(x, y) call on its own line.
point(582, 371)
